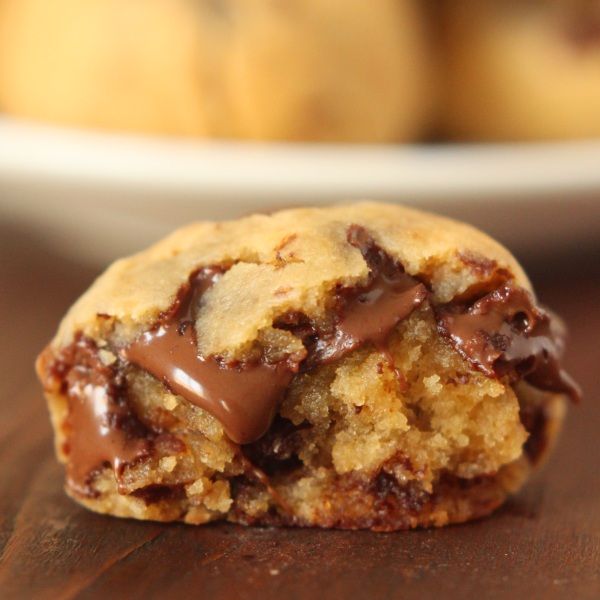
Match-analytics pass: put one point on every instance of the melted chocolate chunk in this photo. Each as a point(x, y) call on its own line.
point(535, 420)
point(100, 428)
point(505, 334)
point(392, 497)
point(363, 314)
point(370, 313)
point(152, 494)
point(242, 396)
point(278, 450)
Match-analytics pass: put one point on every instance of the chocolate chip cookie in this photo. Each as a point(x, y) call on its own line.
point(360, 366)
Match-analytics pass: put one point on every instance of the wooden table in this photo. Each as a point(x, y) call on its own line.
point(543, 544)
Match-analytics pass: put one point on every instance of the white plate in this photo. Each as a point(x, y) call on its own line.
point(98, 195)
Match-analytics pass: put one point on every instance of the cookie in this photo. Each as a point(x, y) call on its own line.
point(341, 70)
point(361, 366)
point(522, 70)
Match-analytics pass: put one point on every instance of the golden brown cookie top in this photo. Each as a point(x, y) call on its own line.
point(289, 261)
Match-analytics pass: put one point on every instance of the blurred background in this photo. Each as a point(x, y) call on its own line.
point(121, 120)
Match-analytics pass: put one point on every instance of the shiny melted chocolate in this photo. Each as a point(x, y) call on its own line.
point(100, 428)
point(242, 396)
point(364, 314)
point(368, 314)
point(505, 334)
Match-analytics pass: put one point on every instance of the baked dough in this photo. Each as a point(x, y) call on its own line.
point(360, 366)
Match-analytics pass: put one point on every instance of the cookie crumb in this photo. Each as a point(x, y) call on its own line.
point(168, 463)
point(170, 402)
point(107, 357)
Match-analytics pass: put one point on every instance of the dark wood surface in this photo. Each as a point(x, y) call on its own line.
point(545, 543)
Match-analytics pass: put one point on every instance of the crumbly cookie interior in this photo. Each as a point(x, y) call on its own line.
point(418, 383)
point(346, 433)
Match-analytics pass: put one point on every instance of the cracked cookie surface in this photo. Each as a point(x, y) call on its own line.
point(313, 367)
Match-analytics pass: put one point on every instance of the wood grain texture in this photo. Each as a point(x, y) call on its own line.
point(543, 544)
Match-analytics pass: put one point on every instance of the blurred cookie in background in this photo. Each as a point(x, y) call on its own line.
point(342, 70)
point(522, 70)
